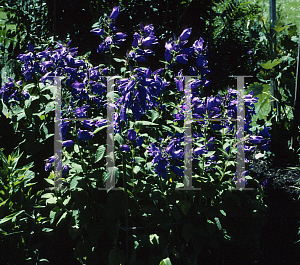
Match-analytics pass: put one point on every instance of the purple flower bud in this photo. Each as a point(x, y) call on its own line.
point(139, 141)
point(250, 51)
point(100, 123)
point(120, 35)
point(168, 56)
point(200, 150)
point(149, 40)
point(48, 166)
point(185, 34)
point(101, 47)
point(85, 135)
point(30, 47)
point(51, 159)
point(25, 94)
point(257, 140)
point(131, 135)
point(177, 171)
point(105, 71)
point(65, 169)
point(109, 40)
point(98, 32)
point(115, 12)
point(193, 71)
point(183, 58)
point(68, 143)
point(125, 148)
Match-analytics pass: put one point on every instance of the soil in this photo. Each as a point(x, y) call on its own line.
point(278, 237)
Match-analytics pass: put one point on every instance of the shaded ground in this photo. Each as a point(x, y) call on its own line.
point(279, 235)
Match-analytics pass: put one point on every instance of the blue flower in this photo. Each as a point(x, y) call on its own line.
point(68, 143)
point(183, 58)
point(48, 166)
point(178, 154)
point(25, 94)
point(150, 40)
point(98, 32)
point(161, 167)
point(131, 135)
point(85, 135)
point(198, 45)
point(168, 56)
point(177, 171)
point(200, 150)
point(65, 169)
point(101, 122)
point(185, 34)
point(31, 47)
point(257, 140)
point(139, 141)
point(265, 133)
point(51, 159)
point(125, 148)
point(115, 12)
point(120, 35)
point(80, 112)
point(65, 127)
point(105, 71)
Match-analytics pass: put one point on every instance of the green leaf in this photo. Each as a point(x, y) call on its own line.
point(47, 230)
point(29, 88)
point(138, 160)
point(28, 102)
point(166, 261)
point(100, 153)
point(177, 129)
point(154, 115)
point(50, 107)
point(184, 206)
point(119, 60)
point(116, 257)
point(119, 138)
point(74, 182)
point(222, 212)
point(136, 169)
point(279, 28)
point(270, 65)
point(218, 223)
point(154, 239)
point(4, 109)
point(63, 216)
point(11, 216)
point(2, 203)
point(50, 181)
point(47, 195)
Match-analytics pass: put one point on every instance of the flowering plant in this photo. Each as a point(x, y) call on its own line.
point(148, 123)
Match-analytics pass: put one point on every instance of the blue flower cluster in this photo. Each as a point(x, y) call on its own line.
point(138, 90)
point(13, 91)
